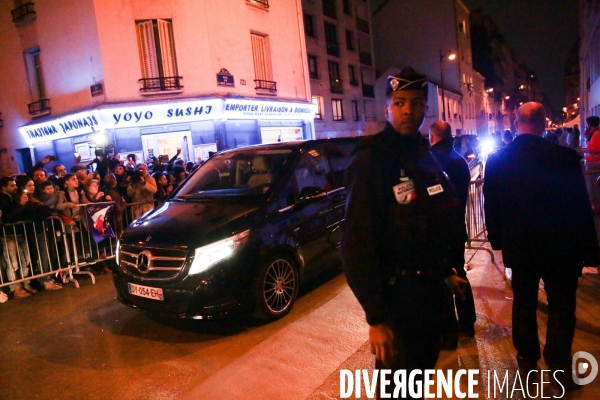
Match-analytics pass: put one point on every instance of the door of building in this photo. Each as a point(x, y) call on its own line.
point(166, 145)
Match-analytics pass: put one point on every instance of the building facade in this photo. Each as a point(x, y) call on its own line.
point(433, 37)
point(508, 81)
point(589, 58)
point(155, 76)
point(341, 66)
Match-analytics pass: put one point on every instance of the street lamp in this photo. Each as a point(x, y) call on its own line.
point(451, 56)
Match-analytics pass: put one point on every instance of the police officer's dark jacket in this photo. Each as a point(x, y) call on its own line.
point(382, 238)
point(455, 166)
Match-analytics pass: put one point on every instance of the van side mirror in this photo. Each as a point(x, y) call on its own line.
point(311, 194)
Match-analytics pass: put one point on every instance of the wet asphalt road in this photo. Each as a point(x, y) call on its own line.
point(81, 343)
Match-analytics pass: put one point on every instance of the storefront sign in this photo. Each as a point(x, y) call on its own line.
point(250, 109)
point(158, 114)
point(145, 114)
point(72, 125)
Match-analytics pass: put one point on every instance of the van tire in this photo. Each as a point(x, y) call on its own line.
point(275, 287)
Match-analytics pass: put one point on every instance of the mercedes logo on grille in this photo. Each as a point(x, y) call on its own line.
point(143, 261)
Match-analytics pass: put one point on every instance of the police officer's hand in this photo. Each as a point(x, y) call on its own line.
point(381, 340)
point(458, 286)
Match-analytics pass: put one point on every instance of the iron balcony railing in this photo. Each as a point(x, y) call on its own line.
point(259, 3)
point(368, 90)
point(39, 107)
point(161, 84)
point(22, 13)
point(335, 86)
point(265, 86)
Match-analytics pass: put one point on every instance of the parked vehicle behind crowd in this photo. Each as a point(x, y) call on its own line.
point(241, 233)
point(469, 147)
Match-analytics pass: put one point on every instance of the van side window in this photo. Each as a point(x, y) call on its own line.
point(339, 156)
point(312, 171)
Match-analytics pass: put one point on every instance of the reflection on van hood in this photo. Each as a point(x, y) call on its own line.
point(192, 224)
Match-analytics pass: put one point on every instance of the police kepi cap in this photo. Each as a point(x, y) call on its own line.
point(407, 79)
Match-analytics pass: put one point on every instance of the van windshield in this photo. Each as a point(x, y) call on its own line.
point(239, 172)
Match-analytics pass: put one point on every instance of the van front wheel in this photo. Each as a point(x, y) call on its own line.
point(276, 287)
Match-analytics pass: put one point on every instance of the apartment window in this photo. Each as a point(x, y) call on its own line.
point(335, 81)
point(33, 63)
point(337, 109)
point(313, 70)
point(346, 6)
point(309, 26)
point(355, 116)
point(157, 55)
point(262, 66)
point(349, 40)
point(352, 75)
point(329, 8)
point(318, 101)
point(331, 41)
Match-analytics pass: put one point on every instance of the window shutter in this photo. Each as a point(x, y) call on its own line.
point(260, 58)
point(147, 50)
point(167, 49)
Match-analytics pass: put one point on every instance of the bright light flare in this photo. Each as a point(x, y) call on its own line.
point(487, 146)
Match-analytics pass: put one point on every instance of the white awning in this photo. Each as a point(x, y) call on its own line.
point(571, 123)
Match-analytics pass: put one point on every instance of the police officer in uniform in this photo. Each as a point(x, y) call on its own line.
point(442, 146)
point(401, 218)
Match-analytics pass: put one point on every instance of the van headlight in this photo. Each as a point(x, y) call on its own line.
point(210, 254)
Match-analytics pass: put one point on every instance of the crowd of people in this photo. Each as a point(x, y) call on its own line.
point(134, 188)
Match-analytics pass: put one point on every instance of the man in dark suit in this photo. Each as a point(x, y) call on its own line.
point(442, 146)
point(538, 213)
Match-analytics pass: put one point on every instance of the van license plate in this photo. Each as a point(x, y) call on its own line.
point(145, 291)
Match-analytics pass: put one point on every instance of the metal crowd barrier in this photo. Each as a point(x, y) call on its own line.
point(475, 218)
point(32, 250)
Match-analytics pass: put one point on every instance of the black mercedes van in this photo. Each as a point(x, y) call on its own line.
point(241, 233)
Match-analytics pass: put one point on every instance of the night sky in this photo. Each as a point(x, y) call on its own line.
point(541, 32)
